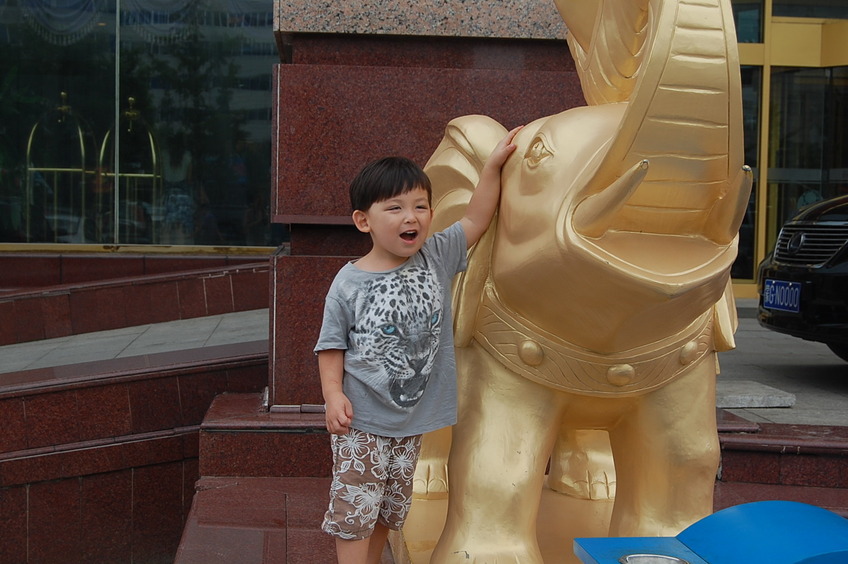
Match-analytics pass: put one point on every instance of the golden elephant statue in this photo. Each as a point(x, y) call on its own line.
point(599, 296)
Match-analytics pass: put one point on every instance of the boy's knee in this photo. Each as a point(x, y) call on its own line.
point(344, 533)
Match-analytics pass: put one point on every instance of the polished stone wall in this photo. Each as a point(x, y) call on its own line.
point(98, 461)
point(128, 300)
point(360, 80)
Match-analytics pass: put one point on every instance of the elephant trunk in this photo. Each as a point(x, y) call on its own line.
point(676, 64)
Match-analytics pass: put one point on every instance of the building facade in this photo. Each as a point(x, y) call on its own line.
point(793, 57)
point(188, 84)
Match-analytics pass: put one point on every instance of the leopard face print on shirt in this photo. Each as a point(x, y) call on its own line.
point(398, 328)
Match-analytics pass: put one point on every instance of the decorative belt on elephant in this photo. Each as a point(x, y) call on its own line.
point(543, 357)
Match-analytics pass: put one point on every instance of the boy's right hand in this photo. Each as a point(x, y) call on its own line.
point(338, 413)
point(503, 149)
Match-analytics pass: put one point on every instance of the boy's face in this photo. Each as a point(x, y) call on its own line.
point(399, 225)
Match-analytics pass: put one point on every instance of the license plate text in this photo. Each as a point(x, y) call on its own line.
point(782, 295)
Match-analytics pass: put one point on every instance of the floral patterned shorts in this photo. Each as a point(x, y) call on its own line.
point(372, 481)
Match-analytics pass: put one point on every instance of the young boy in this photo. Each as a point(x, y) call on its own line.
point(385, 352)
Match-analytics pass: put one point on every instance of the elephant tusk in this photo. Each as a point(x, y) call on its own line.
point(724, 219)
point(594, 215)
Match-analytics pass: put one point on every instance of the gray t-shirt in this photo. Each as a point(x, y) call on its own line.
point(397, 333)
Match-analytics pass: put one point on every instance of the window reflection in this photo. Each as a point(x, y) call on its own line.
point(811, 8)
point(58, 186)
point(809, 129)
point(748, 16)
point(743, 267)
point(189, 160)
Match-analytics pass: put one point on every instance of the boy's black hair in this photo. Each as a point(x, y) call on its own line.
point(386, 178)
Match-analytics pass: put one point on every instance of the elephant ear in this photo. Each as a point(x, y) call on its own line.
point(454, 170)
point(675, 63)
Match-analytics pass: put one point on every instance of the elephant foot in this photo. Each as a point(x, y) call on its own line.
point(430, 480)
point(582, 466)
point(590, 486)
point(431, 472)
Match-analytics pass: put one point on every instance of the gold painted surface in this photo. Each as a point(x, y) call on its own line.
point(835, 43)
point(752, 54)
point(796, 43)
point(809, 42)
point(588, 320)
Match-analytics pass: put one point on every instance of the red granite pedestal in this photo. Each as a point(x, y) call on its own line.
point(241, 515)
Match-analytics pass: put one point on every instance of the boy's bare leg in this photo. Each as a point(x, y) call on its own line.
point(352, 551)
point(364, 551)
point(377, 544)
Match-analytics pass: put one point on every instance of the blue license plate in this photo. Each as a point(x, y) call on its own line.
point(782, 295)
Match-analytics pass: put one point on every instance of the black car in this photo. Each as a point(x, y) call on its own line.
point(803, 283)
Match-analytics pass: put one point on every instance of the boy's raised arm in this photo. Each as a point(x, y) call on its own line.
point(484, 201)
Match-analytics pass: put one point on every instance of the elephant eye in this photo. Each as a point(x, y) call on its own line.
point(537, 152)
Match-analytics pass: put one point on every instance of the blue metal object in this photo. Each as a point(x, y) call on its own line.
point(773, 532)
point(612, 550)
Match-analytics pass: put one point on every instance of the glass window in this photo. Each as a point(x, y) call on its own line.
point(743, 267)
point(748, 16)
point(811, 8)
point(189, 159)
point(809, 131)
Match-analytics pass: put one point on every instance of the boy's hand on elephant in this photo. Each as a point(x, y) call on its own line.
point(502, 150)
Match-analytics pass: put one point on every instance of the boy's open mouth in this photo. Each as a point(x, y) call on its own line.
point(409, 235)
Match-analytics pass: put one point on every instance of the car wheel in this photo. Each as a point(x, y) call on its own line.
point(839, 349)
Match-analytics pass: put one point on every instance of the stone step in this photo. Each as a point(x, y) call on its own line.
point(787, 455)
point(238, 520)
point(265, 477)
point(746, 394)
point(98, 460)
point(84, 307)
point(240, 437)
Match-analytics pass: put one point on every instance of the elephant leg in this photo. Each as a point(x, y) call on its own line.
point(501, 444)
point(666, 456)
point(582, 464)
